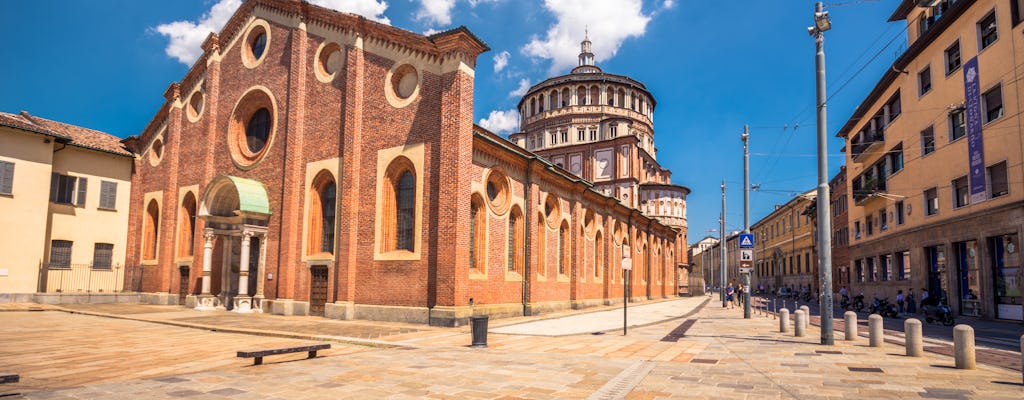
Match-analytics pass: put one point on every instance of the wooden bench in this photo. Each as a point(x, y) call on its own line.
point(9, 377)
point(259, 354)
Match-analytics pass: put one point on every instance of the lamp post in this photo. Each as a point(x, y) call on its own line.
point(721, 244)
point(821, 24)
point(746, 216)
point(627, 265)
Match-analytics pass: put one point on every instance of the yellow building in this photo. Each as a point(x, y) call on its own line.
point(64, 193)
point(785, 255)
point(934, 162)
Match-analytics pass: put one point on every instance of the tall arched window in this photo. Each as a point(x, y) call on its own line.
point(187, 226)
point(150, 229)
point(477, 229)
point(515, 240)
point(399, 206)
point(598, 255)
point(581, 96)
point(542, 245)
point(565, 97)
point(323, 196)
point(595, 95)
point(563, 248)
point(622, 98)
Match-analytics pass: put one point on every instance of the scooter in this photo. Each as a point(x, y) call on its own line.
point(939, 313)
point(857, 304)
point(883, 308)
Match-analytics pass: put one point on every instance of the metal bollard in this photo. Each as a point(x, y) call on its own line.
point(801, 321)
point(875, 338)
point(850, 320)
point(807, 315)
point(963, 347)
point(1022, 358)
point(914, 341)
point(775, 306)
point(784, 320)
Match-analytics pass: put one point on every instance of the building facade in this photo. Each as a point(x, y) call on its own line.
point(785, 252)
point(934, 162)
point(52, 244)
point(701, 265)
point(315, 162)
point(840, 230)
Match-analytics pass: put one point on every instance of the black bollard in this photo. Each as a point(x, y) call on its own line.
point(479, 331)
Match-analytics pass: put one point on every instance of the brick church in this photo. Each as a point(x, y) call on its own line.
point(313, 162)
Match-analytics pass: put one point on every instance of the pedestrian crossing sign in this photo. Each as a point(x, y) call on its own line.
point(746, 240)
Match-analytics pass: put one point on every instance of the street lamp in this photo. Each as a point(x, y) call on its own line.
point(821, 24)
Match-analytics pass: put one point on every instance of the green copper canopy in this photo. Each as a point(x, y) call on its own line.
point(252, 195)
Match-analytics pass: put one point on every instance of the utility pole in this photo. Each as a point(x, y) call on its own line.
point(822, 24)
point(746, 216)
point(721, 244)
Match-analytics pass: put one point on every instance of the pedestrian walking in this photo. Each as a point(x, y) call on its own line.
point(911, 302)
point(900, 301)
point(739, 294)
point(924, 296)
point(730, 291)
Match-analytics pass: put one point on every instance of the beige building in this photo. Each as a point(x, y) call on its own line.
point(785, 255)
point(64, 204)
point(934, 162)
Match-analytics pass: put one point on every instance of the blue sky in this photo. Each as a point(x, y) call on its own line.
point(712, 67)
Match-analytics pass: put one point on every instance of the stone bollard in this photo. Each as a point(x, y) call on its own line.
point(875, 338)
point(912, 334)
point(784, 320)
point(850, 320)
point(801, 323)
point(963, 347)
point(807, 316)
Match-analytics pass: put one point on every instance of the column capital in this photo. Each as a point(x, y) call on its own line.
point(209, 235)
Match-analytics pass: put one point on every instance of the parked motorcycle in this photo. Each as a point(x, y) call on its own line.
point(844, 303)
point(938, 313)
point(856, 305)
point(884, 308)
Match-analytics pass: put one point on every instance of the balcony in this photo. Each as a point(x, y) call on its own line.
point(866, 142)
point(868, 190)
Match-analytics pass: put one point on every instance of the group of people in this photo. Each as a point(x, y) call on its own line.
point(905, 304)
point(734, 294)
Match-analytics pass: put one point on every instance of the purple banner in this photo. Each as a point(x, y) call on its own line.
point(975, 149)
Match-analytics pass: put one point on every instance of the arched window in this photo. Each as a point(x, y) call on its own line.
point(515, 240)
point(553, 99)
point(399, 211)
point(598, 255)
point(622, 98)
point(150, 229)
point(581, 96)
point(323, 196)
point(563, 247)
point(187, 226)
point(477, 228)
point(565, 97)
point(595, 96)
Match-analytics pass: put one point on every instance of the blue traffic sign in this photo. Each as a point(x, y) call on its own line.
point(746, 240)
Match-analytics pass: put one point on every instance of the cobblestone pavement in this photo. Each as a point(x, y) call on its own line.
point(713, 353)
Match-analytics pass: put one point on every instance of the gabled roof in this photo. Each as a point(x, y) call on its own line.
point(66, 133)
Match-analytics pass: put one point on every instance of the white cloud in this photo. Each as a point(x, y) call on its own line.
point(501, 121)
point(474, 3)
point(609, 23)
point(186, 37)
point(524, 85)
point(438, 12)
point(501, 61)
point(668, 4)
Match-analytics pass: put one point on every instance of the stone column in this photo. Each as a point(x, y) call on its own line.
point(243, 303)
point(257, 300)
point(206, 301)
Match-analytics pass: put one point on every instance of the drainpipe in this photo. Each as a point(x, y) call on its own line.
point(527, 217)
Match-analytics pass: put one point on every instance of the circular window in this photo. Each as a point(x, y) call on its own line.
point(257, 131)
point(329, 61)
point(195, 106)
point(402, 85)
point(251, 128)
point(497, 192)
point(156, 152)
point(257, 41)
point(551, 211)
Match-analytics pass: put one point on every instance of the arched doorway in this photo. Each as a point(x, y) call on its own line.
point(236, 212)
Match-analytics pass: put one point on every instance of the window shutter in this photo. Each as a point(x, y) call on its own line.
point(6, 177)
point(108, 194)
point(80, 199)
point(54, 180)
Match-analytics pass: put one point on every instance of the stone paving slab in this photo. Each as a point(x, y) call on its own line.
point(608, 320)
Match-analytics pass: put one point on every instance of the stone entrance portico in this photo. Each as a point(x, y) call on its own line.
point(236, 211)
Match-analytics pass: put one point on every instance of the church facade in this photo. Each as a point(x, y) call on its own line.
point(313, 162)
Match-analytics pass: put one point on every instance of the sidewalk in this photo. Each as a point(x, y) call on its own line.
point(608, 320)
